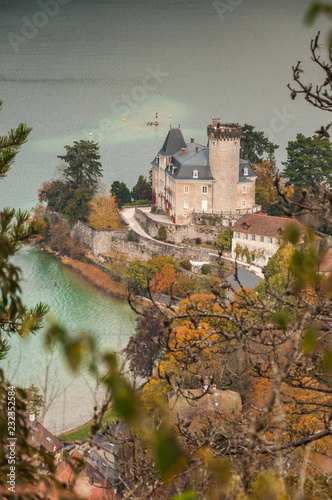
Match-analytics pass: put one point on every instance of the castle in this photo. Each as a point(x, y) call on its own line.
point(190, 179)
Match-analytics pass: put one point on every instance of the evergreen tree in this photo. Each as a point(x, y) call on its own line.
point(121, 192)
point(15, 228)
point(10, 145)
point(84, 168)
point(142, 189)
point(255, 147)
point(309, 161)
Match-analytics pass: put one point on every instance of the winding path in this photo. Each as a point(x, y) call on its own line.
point(128, 213)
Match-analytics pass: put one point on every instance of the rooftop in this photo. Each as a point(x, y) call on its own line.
point(173, 142)
point(41, 437)
point(262, 225)
point(244, 279)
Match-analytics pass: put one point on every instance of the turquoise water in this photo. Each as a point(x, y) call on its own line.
point(97, 62)
point(79, 307)
point(91, 63)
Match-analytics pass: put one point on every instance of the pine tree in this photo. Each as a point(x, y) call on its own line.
point(84, 168)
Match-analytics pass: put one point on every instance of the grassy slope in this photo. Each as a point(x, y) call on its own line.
point(83, 432)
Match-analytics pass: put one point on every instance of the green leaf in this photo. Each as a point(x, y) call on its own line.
point(312, 13)
point(55, 333)
point(328, 362)
point(282, 319)
point(187, 495)
point(292, 234)
point(310, 340)
point(73, 351)
point(169, 459)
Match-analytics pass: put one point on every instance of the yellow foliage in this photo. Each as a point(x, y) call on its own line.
point(155, 394)
point(103, 212)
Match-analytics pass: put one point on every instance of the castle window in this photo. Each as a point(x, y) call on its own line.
point(262, 239)
point(213, 144)
point(253, 237)
point(244, 189)
point(186, 204)
point(235, 144)
point(245, 236)
point(238, 235)
point(195, 174)
point(270, 240)
point(244, 203)
point(237, 255)
point(245, 171)
point(252, 258)
point(186, 189)
point(278, 241)
point(184, 215)
point(204, 189)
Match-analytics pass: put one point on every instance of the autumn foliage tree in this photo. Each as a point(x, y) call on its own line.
point(266, 190)
point(103, 212)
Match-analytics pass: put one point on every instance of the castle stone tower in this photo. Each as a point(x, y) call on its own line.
point(224, 155)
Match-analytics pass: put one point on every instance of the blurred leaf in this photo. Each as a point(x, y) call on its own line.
point(268, 486)
point(125, 401)
point(282, 318)
point(310, 340)
point(167, 454)
point(312, 13)
point(292, 233)
point(328, 362)
point(187, 495)
point(74, 351)
point(55, 333)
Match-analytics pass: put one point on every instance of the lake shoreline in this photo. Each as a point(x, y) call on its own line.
point(92, 274)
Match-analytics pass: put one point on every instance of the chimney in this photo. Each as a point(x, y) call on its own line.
point(170, 159)
point(32, 416)
point(196, 149)
point(214, 387)
point(183, 151)
point(192, 139)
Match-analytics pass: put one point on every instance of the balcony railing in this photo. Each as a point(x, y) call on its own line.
point(243, 211)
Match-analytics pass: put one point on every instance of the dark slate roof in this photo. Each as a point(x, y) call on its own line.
point(173, 142)
point(186, 164)
point(242, 165)
point(246, 279)
point(245, 180)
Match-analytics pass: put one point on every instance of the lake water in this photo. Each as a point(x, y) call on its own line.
point(79, 308)
point(71, 68)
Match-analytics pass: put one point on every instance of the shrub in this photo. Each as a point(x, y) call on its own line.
point(198, 241)
point(186, 264)
point(153, 209)
point(157, 263)
point(224, 240)
point(141, 202)
point(162, 235)
point(131, 236)
point(205, 269)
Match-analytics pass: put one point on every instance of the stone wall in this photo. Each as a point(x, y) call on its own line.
point(98, 241)
point(177, 233)
point(105, 242)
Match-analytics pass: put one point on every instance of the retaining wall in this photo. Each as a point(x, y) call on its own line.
point(104, 242)
point(178, 233)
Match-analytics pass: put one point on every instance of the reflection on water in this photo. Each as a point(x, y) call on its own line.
point(79, 307)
